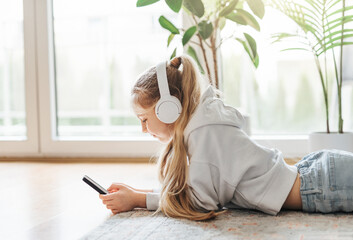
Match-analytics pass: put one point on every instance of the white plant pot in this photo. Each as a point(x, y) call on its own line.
point(323, 140)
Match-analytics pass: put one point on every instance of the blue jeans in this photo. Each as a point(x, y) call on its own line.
point(326, 181)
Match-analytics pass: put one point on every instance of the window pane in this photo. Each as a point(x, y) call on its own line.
point(101, 46)
point(284, 95)
point(12, 96)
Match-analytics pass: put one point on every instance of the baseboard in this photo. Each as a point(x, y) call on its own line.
point(75, 160)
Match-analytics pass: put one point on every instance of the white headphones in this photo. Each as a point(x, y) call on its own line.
point(168, 108)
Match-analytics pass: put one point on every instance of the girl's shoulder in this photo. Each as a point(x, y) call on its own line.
point(213, 111)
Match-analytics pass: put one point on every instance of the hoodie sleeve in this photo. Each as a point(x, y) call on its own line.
point(156, 190)
point(152, 200)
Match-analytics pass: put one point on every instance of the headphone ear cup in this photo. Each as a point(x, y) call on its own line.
point(168, 109)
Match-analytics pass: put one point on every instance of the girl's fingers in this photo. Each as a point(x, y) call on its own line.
point(111, 207)
point(114, 186)
point(106, 197)
point(106, 201)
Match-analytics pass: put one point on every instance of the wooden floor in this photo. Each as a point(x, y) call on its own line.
point(50, 201)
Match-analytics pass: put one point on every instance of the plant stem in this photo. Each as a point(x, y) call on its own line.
point(214, 54)
point(205, 59)
point(339, 87)
point(325, 92)
point(323, 81)
point(203, 53)
point(325, 61)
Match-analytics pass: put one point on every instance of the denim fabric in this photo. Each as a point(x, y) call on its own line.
point(326, 181)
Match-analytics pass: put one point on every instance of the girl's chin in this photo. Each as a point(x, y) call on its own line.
point(163, 140)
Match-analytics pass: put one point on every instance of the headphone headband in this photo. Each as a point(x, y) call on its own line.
point(162, 79)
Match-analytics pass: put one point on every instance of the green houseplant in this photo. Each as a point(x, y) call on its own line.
point(209, 17)
point(323, 31)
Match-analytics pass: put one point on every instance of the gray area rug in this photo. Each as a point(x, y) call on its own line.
point(234, 224)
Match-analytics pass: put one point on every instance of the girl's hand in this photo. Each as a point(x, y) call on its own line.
point(123, 198)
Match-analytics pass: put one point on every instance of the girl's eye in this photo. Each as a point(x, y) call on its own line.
point(144, 120)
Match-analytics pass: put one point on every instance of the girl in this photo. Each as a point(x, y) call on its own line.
point(210, 163)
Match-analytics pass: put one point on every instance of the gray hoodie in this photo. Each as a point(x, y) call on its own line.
point(226, 167)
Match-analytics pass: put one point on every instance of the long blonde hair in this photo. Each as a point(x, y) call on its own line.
point(184, 84)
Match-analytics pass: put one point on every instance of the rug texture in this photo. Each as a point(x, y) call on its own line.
point(234, 224)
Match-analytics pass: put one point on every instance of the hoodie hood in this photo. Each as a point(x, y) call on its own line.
point(212, 110)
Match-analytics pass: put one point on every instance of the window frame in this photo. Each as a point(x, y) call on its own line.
point(15, 147)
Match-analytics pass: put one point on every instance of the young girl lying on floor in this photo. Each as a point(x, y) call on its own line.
point(210, 163)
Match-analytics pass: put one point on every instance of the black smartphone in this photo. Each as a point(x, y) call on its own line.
point(94, 185)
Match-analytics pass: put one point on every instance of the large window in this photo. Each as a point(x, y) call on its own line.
point(66, 74)
point(100, 49)
point(12, 103)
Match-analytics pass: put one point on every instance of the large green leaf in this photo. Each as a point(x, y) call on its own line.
point(196, 7)
point(257, 7)
point(335, 36)
point(277, 37)
point(165, 23)
point(314, 5)
point(242, 14)
point(333, 46)
point(246, 47)
point(141, 3)
point(250, 47)
point(252, 44)
point(191, 51)
point(337, 23)
point(235, 17)
point(205, 29)
point(175, 5)
point(340, 11)
point(331, 4)
point(222, 23)
point(173, 54)
point(332, 43)
point(229, 8)
point(256, 61)
point(188, 35)
point(170, 38)
point(301, 49)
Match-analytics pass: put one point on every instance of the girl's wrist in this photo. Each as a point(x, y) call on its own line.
point(140, 198)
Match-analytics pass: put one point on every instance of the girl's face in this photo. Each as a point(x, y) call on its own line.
point(152, 125)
